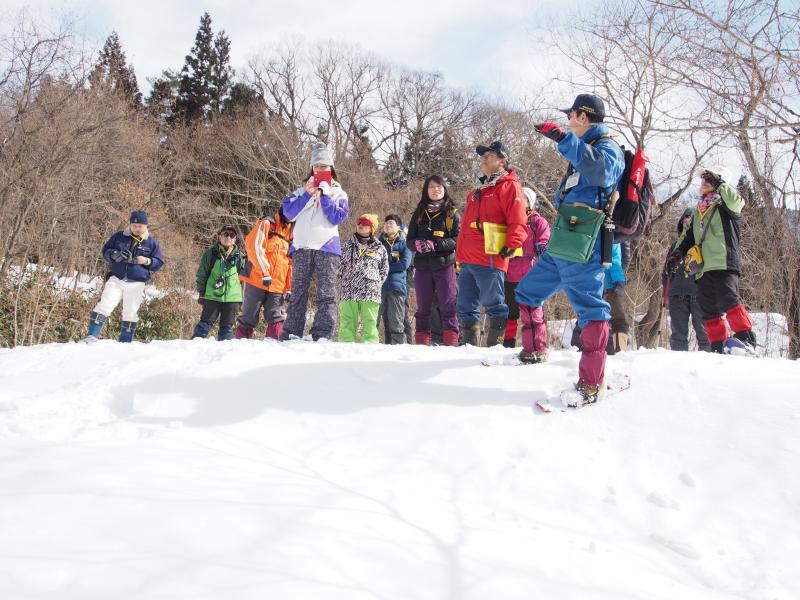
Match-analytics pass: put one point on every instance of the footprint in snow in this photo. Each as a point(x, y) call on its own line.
point(688, 479)
point(663, 501)
point(682, 548)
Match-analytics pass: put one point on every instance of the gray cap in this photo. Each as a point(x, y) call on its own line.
point(321, 155)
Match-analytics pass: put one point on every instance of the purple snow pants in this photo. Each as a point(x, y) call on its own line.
point(443, 284)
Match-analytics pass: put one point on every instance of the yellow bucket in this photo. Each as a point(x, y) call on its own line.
point(494, 238)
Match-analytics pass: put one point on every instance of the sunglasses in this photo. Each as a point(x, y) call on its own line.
point(227, 234)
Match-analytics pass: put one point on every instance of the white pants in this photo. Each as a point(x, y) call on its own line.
point(130, 292)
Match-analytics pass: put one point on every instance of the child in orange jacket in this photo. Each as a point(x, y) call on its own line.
point(268, 278)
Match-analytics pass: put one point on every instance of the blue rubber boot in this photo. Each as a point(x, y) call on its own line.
point(201, 330)
point(225, 333)
point(96, 322)
point(126, 331)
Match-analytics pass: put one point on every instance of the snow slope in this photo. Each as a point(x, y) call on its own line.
point(252, 470)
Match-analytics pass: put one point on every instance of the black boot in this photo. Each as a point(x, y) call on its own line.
point(717, 347)
point(747, 337)
point(496, 332)
point(470, 334)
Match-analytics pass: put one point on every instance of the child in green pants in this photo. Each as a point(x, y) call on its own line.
point(363, 269)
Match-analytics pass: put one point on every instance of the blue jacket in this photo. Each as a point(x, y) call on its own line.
point(399, 262)
point(599, 166)
point(129, 271)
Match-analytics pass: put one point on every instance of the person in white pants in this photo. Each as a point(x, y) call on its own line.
point(133, 255)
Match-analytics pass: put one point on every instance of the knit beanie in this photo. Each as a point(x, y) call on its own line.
point(369, 219)
point(138, 216)
point(321, 155)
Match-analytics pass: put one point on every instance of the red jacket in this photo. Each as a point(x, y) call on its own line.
point(501, 202)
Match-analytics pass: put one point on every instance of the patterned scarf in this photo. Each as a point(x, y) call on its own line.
point(706, 202)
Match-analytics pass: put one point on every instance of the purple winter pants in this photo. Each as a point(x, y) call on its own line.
point(443, 284)
point(534, 328)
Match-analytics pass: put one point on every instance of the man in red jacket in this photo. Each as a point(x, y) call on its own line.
point(499, 200)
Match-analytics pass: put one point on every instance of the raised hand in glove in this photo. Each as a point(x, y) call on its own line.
point(424, 246)
point(266, 280)
point(550, 130)
point(324, 188)
point(674, 260)
point(507, 252)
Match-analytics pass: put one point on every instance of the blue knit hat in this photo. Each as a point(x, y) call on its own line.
point(138, 216)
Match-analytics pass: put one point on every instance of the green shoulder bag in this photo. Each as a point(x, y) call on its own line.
point(575, 232)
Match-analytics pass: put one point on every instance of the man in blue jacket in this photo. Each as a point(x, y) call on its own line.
point(394, 292)
point(133, 255)
point(596, 163)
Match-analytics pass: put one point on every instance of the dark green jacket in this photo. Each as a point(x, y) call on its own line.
point(217, 278)
point(721, 247)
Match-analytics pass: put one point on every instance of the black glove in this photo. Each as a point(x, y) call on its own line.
point(129, 257)
point(201, 300)
point(266, 280)
point(287, 296)
point(550, 130)
point(619, 288)
point(507, 252)
point(674, 260)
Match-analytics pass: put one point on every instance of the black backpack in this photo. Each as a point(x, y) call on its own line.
point(634, 206)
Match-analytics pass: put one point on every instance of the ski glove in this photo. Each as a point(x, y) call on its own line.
point(550, 130)
point(674, 260)
point(287, 296)
point(507, 252)
point(619, 288)
point(201, 300)
point(324, 188)
point(424, 246)
point(266, 280)
point(539, 249)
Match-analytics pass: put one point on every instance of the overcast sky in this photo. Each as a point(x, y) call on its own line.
point(485, 44)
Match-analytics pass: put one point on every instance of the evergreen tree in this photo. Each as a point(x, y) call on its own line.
point(242, 98)
point(745, 189)
point(164, 95)
point(194, 94)
point(113, 74)
point(206, 75)
point(221, 72)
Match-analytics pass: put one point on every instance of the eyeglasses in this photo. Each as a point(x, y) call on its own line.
point(227, 234)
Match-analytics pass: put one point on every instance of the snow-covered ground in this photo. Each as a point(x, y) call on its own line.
point(252, 470)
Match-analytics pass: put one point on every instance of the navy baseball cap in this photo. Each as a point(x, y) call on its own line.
point(588, 103)
point(497, 147)
point(138, 216)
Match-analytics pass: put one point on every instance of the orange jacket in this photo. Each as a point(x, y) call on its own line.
point(501, 202)
point(267, 247)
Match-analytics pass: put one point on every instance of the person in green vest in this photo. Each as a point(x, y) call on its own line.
point(710, 248)
point(218, 285)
